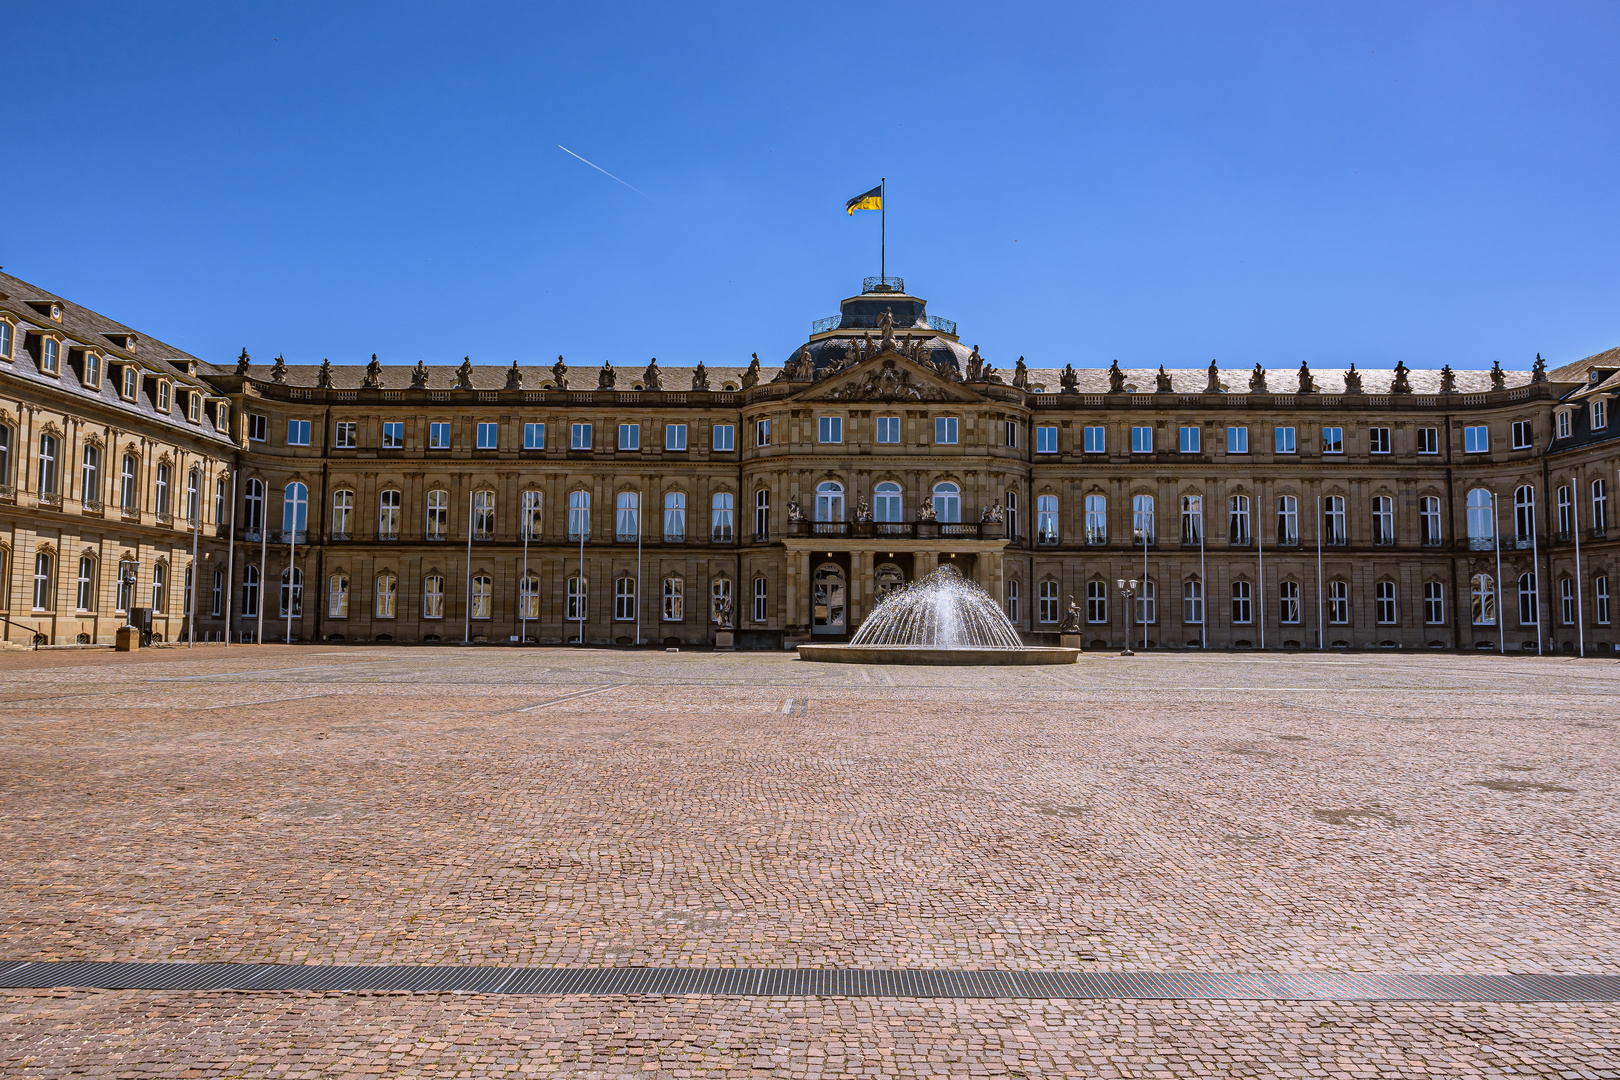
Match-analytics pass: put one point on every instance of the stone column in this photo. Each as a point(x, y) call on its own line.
point(860, 585)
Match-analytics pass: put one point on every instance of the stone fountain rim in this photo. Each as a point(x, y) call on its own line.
point(1024, 656)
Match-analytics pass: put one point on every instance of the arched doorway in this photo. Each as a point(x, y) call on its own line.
point(889, 578)
point(828, 601)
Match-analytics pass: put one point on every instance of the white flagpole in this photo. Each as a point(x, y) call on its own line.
point(1260, 551)
point(264, 551)
point(1321, 638)
point(295, 590)
point(230, 562)
point(1535, 567)
point(638, 568)
point(1501, 616)
point(523, 582)
point(1580, 612)
point(1203, 582)
point(196, 574)
point(466, 596)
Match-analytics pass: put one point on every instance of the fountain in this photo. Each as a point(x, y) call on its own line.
point(942, 619)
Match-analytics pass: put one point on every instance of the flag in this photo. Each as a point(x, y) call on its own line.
point(872, 200)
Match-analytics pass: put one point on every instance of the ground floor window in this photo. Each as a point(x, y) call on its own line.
point(761, 606)
point(1147, 606)
point(292, 592)
point(529, 598)
point(1566, 601)
point(387, 594)
point(1288, 602)
point(433, 597)
point(1048, 601)
point(1600, 592)
point(576, 599)
point(1482, 595)
point(674, 599)
point(1528, 606)
point(1242, 603)
point(250, 591)
point(1338, 602)
point(480, 597)
point(218, 598)
point(719, 597)
point(1192, 602)
point(1097, 602)
point(1434, 603)
point(624, 599)
point(1012, 599)
point(1384, 604)
point(337, 596)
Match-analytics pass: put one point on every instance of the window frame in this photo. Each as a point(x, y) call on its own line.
point(534, 435)
point(1379, 440)
point(629, 439)
point(1428, 440)
point(1191, 439)
point(440, 435)
point(888, 430)
point(258, 427)
point(1333, 440)
point(723, 434)
point(829, 430)
point(1237, 439)
point(298, 432)
point(580, 435)
point(675, 440)
point(1046, 439)
point(487, 435)
point(947, 430)
point(345, 435)
point(1476, 438)
point(1285, 440)
point(1141, 438)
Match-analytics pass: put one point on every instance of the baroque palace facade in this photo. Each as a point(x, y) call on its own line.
point(1280, 510)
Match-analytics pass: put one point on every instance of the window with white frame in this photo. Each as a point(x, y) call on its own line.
point(674, 609)
point(947, 498)
point(1283, 440)
point(87, 583)
point(337, 596)
point(829, 501)
point(762, 514)
point(1564, 422)
point(1192, 519)
point(252, 502)
point(1481, 516)
point(436, 525)
point(42, 581)
point(342, 513)
point(1600, 593)
point(579, 515)
point(481, 593)
point(1288, 606)
point(1429, 520)
point(1147, 607)
point(720, 517)
point(1482, 598)
point(529, 597)
point(216, 597)
point(762, 611)
point(1529, 599)
point(1096, 519)
point(488, 435)
point(574, 606)
point(762, 433)
point(1192, 440)
point(1521, 434)
point(1141, 440)
point(124, 594)
point(1384, 607)
point(1010, 434)
point(629, 436)
point(531, 520)
point(132, 382)
point(1237, 439)
point(1046, 439)
point(1287, 520)
point(887, 502)
point(1046, 519)
point(1378, 441)
point(1096, 602)
point(388, 514)
point(1242, 604)
point(888, 429)
point(1434, 603)
point(674, 517)
point(1047, 597)
point(1142, 529)
point(1428, 440)
point(627, 517)
point(725, 437)
point(257, 425)
point(1013, 613)
point(624, 599)
point(90, 477)
point(534, 436)
point(1095, 439)
point(92, 370)
point(1383, 519)
point(579, 436)
point(6, 335)
point(719, 597)
point(387, 595)
point(292, 591)
point(1338, 602)
point(1333, 440)
point(433, 596)
point(298, 433)
point(830, 429)
point(1600, 506)
point(1599, 414)
point(1237, 520)
point(1524, 512)
point(51, 359)
point(945, 431)
point(1012, 515)
point(439, 435)
point(1566, 509)
point(1566, 601)
point(1192, 602)
point(194, 403)
point(483, 515)
point(1476, 439)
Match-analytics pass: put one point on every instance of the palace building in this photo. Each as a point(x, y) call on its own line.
point(1284, 509)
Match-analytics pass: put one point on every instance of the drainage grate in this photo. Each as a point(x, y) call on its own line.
point(815, 982)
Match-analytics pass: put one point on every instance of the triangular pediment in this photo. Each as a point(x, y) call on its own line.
point(888, 376)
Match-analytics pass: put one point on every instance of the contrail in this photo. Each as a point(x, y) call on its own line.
point(603, 171)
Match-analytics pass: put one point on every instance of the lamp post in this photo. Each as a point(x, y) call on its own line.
point(1128, 590)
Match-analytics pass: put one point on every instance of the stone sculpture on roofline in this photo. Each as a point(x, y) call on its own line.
point(1352, 380)
point(1070, 380)
point(243, 362)
point(1403, 382)
point(1257, 381)
point(278, 371)
point(1021, 375)
point(700, 378)
point(751, 376)
point(1498, 376)
point(559, 373)
point(1116, 379)
point(652, 378)
point(605, 378)
point(1538, 373)
point(1307, 384)
point(373, 379)
point(1214, 384)
point(514, 377)
point(1162, 382)
point(1448, 380)
point(324, 379)
point(464, 374)
point(419, 376)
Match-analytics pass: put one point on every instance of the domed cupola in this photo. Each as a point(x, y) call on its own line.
point(834, 341)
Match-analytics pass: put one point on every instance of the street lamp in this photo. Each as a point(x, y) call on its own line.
point(1128, 590)
point(129, 595)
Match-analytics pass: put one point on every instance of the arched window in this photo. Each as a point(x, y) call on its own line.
point(42, 581)
point(1334, 526)
point(388, 514)
point(886, 503)
point(1383, 519)
point(624, 599)
point(294, 511)
point(387, 595)
point(1529, 600)
point(888, 579)
point(674, 516)
point(1237, 520)
point(529, 597)
point(1524, 513)
point(533, 522)
point(1384, 607)
point(127, 498)
point(1096, 601)
point(1242, 603)
point(480, 596)
point(1142, 520)
point(250, 590)
point(161, 491)
point(719, 596)
point(1046, 601)
point(720, 520)
point(160, 587)
point(1481, 527)
point(1338, 602)
point(1192, 519)
point(1429, 520)
point(483, 515)
point(947, 502)
point(337, 596)
point(674, 599)
point(433, 597)
point(627, 521)
point(1147, 607)
point(1482, 595)
point(87, 583)
point(1046, 519)
point(576, 600)
point(829, 501)
point(194, 495)
point(1287, 521)
point(762, 515)
point(125, 594)
point(217, 595)
point(342, 514)
point(579, 515)
point(292, 592)
point(1566, 601)
point(1600, 507)
point(761, 596)
point(1566, 510)
point(47, 464)
point(90, 477)
point(1192, 601)
point(1096, 519)
point(437, 524)
point(1012, 600)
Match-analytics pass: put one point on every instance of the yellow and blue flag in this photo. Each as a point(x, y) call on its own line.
point(872, 200)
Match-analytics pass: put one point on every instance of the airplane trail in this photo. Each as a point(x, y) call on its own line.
point(603, 171)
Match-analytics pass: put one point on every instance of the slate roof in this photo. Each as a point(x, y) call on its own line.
point(1278, 380)
point(493, 376)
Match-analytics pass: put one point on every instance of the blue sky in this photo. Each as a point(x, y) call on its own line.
point(1158, 183)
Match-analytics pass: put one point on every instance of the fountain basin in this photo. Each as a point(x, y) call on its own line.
point(943, 657)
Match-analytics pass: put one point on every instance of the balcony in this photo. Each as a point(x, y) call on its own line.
point(1482, 543)
point(829, 528)
point(290, 536)
point(93, 507)
point(1518, 543)
point(899, 529)
point(1287, 540)
point(435, 536)
point(762, 538)
point(164, 517)
point(575, 537)
point(50, 498)
point(1334, 540)
point(962, 530)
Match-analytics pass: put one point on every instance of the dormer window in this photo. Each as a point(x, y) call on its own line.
point(132, 382)
point(123, 341)
point(163, 395)
point(222, 415)
point(1564, 422)
point(6, 333)
point(50, 357)
point(92, 370)
point(1600, 414)
point(56, 312)
point(194, 407)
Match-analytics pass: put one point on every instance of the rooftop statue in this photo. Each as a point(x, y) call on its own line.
point(1116, 379)
point(1402, 384)
point(606, 377)
point(1352, 380)
point(1307, 384)
point(1448, 380)
point(419, 376)
point(243, 362)
point(700, 378)
point(559, 373)
point(751, 376)
point(1498, 377)
point(1021, 375)
point(514, 377)
point(1538, 373)
point(1070, 380)
point(1163, 382)
point(886, 331)
point(650, 378)
point(464, 374)
point(278, 372)
point(373, 379)
point(1257, 381)
point(324, 379)
point(1214, 384)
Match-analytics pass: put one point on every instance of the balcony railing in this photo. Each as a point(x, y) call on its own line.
point(944, 326)
point(1333, 540)
point(290, 536)
point(343, 534)
point(164, 517)
point(576, 537)
point(1597, 532)
point(720, 534)
point(1384, 540)
point(1287, 540)
point(966, 530)
point(1518, 543)
point(387, 534)
point(1433, 541)
point(627, 537)
point(50, 498)
point(829, 528)
point(883, 284)
point(821, 326)
point(1562, 537)
point(1239, 540)
point(93, 506)
point(8, 493)
point(902, 529)
point(1482, 543)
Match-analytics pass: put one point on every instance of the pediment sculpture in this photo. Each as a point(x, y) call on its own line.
point(888, 382)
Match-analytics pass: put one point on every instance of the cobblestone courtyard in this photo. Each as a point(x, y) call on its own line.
point(1224, 813)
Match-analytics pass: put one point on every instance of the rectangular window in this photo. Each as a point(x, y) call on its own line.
point(393, 435)
point(1521, 434)
point(132, 382)
point(1096, 440)
point(1600, 415)
point(1012, 600)
point(1192, 603)
point(1476, 439)
point(1428, 440)
point(675, 436)
point(579, 437)
point(52, 352)
point(629, 436)
point(1284, 440)
point(1566, 601)
point(1096, 519)
point(1046, 440)
point(343, 437)
point(298, 433)
point(1378, 440)
point(1141, 440)
point(1333, 440)
point(439, 435)
point(534, 436)
point(674, 599)
point(194, 402)
point(1384, 604)
point(1097, 602)
point(1047, 597)
point(945, 430)
point(725, 437)
point(830, 429)
point(1338, 603)
point(624, 599)
point(1564, 422)
point(1288, 611)
point(888, 429)
point(1192, 440)
point(762, 433)
point(257, 425)
point(1242, 603)
point(1600, 592)
point(92, 370)
point(761, 607)
point(1237, 440)
point(488, 435)
point(162, 395)
point(1012, 434)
